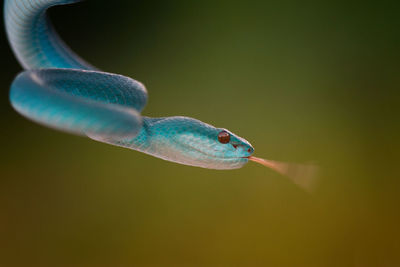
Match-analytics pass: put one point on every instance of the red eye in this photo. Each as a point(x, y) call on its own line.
point(224, 137)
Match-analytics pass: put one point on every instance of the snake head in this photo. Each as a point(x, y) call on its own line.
point(192, 142)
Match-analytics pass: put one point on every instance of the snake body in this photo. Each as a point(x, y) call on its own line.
point(60, 90)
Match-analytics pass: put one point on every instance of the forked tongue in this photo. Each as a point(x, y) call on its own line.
point(304, 175)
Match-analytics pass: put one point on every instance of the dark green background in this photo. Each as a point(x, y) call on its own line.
point(301, 80)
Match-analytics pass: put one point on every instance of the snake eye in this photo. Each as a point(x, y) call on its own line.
point(224, 137)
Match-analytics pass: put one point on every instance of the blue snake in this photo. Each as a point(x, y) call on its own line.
point(60, 90)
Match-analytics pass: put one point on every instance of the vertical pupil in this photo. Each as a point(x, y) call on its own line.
point(224, 137)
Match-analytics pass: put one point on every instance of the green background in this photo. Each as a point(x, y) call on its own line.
point(302, 81)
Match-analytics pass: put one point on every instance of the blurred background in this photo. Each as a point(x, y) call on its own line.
point(301, 80)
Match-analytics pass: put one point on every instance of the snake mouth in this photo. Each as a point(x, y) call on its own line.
point(216, 157)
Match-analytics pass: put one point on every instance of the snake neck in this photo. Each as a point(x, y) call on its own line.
point(157, 138)
point(145, 141)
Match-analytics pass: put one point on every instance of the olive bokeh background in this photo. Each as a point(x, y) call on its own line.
point(301, 80)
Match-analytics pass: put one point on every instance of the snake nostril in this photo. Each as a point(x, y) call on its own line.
point(235, 146)
point(249, 150)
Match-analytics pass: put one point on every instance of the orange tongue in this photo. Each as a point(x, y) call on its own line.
point(304, 175)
